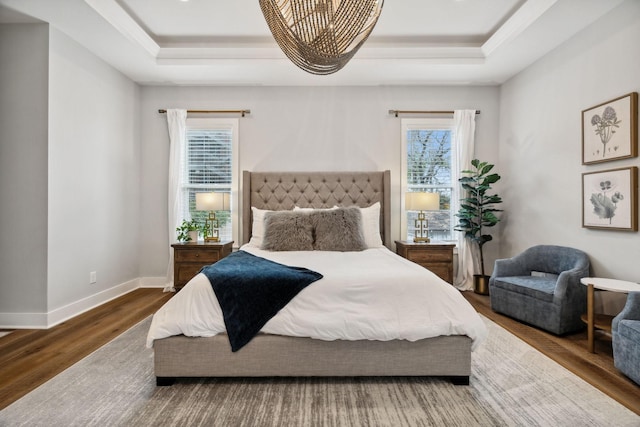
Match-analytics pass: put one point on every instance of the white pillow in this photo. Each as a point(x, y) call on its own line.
point(297, 208)
point(371, 225)
point(257, 228)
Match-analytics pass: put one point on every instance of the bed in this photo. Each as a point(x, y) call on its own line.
point(186, 345)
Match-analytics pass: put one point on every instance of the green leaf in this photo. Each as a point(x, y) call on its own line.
point(491, 179)
point(486, 168)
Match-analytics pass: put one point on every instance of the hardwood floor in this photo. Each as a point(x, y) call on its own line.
point(29, 358)
point(571, 352)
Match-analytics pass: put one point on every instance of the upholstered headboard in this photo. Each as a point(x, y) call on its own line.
point(284, 190)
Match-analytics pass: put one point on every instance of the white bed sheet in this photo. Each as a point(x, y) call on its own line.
point(369, 295)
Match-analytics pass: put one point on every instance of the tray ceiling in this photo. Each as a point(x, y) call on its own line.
point(210, 42)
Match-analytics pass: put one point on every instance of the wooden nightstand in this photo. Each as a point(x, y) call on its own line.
point(437, 257)
point(190, 257)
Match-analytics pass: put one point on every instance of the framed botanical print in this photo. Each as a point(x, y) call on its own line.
point(609, 199)
point(610, 130)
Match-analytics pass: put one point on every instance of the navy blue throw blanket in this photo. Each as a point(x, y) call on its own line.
point(251, 290)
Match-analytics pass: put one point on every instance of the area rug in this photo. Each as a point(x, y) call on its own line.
point(512, 384)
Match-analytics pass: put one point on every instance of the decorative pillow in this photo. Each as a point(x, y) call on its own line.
point(338, 230)
point(257, 227)
point(371, 225)
point(287, 231)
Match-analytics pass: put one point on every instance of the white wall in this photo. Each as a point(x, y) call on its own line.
point(23, 168)
point(540, 142)
point(69, 178)
point(299, 128)
point(94, 174)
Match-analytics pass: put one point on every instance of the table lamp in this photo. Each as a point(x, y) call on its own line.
point(421, 201)
point(212, 202)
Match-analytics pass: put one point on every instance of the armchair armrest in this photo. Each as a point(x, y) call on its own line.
point(571, 277)
point(630, 311)
point(514, 266)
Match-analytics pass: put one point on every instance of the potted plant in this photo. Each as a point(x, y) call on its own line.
point(477, 211)
point(188, 231)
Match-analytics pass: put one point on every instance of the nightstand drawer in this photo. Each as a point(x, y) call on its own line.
point(186, 272)
point(195, 255)
point(442, 270)
point(434, 255)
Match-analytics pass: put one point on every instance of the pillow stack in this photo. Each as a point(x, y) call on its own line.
point(304, 229)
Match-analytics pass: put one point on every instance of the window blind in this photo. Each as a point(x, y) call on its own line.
point(209, 157)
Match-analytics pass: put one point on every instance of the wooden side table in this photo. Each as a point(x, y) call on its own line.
point(601, 321)
point(190, 257)
point(437, 257)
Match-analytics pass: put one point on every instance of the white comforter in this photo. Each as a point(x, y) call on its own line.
point(369, 295)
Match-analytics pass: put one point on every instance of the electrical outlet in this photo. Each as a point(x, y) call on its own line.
point(93, 278)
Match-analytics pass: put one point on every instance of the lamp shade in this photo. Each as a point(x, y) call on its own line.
point(420, 201)
point(212, 201)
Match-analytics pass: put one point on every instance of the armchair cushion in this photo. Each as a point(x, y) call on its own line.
point(534, 286)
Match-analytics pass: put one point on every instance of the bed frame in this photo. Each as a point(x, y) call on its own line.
point(274, 355)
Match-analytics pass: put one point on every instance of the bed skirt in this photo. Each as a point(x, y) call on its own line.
point(282, 356)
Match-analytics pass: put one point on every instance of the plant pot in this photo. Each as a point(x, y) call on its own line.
point(193, 236)
point(481, 284)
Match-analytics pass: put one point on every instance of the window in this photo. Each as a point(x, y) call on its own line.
point(429, 165)
point(210, 164)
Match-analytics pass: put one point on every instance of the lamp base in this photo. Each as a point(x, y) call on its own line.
point(421, 240)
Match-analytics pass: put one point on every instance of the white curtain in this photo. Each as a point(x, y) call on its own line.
point(177, 123)
point(463, 134)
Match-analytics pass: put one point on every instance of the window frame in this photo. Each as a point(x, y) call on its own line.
point(428, 123)
point(210, 123)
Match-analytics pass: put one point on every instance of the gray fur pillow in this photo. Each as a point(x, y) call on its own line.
point(287, 231)
point(338, 230)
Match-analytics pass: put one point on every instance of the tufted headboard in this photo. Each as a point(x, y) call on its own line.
point(284, 190)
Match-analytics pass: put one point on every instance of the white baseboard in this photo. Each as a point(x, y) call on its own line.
point(59, 315)
point(153, 282)
point(23, 320)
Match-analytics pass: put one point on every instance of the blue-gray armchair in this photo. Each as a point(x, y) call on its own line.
point(625, 331)
point(541, 286)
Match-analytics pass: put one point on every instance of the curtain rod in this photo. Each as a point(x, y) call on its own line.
point(242, 112)
point(396, 112)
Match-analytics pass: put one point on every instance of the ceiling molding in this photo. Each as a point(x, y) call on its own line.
point(204, 55)
point(115, 15)
point(522, 19)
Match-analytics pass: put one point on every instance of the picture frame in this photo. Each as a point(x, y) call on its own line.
point(610, 130)
point(609, 199)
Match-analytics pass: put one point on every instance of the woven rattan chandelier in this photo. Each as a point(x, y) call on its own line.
point(321, 36)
